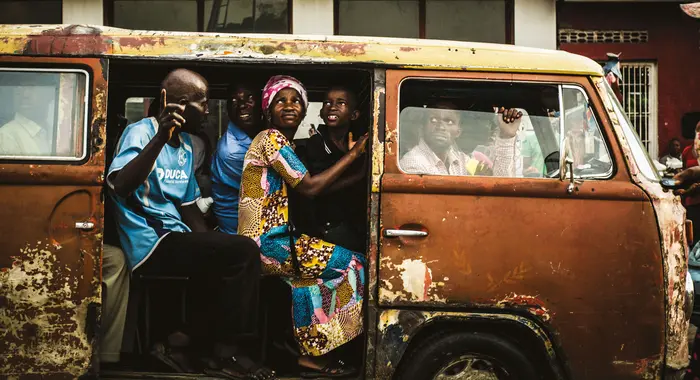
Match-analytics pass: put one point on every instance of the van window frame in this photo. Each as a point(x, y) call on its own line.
point(611, 172)
point(86, 114)
point(610, 175)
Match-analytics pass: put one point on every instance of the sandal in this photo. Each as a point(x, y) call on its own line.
point(333, 369)
point(237, 367)
point(175, 359)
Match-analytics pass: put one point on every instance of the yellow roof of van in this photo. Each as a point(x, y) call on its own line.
point(86, 40)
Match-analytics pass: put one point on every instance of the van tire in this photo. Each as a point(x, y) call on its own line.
point(448, 353)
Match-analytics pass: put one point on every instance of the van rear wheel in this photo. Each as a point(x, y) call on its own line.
point(467, 356)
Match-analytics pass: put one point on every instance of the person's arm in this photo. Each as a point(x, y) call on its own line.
point(688, 176)
point(127, 179)
point(506, 154)
point(349, 180)
point(280, 157)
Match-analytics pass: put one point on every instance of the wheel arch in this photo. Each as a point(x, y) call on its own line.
point(403, 331)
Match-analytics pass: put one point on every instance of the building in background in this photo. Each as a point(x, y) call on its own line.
point(521, 22)
point(659, 46)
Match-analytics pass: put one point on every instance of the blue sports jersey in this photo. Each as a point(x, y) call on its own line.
point(226, 172)
point(152, 211)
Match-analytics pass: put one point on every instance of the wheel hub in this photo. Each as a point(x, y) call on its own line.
point(472, 367)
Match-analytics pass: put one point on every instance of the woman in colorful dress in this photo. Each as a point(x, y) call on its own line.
point(327, 280)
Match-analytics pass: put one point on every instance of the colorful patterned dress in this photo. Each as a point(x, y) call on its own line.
point(327, 296)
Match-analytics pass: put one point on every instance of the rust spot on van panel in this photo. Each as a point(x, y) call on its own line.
point(71, 45)
point(139, 42)
point(43, 323)
point(378, 131)
point(73, 30)
point(349, 49)
point(533, 304)
point(646, 369)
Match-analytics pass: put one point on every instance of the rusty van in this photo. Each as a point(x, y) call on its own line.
point(570, 263)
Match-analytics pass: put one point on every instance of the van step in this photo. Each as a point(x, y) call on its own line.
point(126, 375)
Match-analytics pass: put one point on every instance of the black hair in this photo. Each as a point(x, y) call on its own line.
point(442, 104)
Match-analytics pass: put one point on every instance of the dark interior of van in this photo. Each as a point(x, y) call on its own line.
point(156, 304)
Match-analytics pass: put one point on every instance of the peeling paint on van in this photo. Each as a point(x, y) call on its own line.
point(413, 281)
point(42, 318)
point(646, 368)
point(88, 40)
point(533, 304)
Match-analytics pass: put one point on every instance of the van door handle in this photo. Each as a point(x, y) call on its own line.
point(397, 233)
point(86, 226)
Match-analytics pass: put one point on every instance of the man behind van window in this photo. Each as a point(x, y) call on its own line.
point(227, 166)
point(25, 134)
point(163, 232)
point(438, 154)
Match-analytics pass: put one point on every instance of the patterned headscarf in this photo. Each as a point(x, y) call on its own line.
point(278, 83)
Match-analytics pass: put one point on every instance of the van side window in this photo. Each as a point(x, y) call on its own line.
point(43, 115)
point(500, 129)
point(585, 141)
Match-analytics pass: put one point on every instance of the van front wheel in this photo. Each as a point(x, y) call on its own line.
point(467, 356)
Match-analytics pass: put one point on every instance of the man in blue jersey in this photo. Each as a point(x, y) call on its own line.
point(162, 230)
point(227, 166)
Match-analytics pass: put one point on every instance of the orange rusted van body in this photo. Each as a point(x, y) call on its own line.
point(589, 276)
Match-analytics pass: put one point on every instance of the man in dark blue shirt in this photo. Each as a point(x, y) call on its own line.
point(227, 166)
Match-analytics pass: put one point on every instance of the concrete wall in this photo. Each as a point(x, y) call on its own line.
point(312, 17)
point(444, 20)
point(82, 12)
point(535, 23)
point(534, 20)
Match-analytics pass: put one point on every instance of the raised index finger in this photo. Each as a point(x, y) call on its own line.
point(174, 107)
